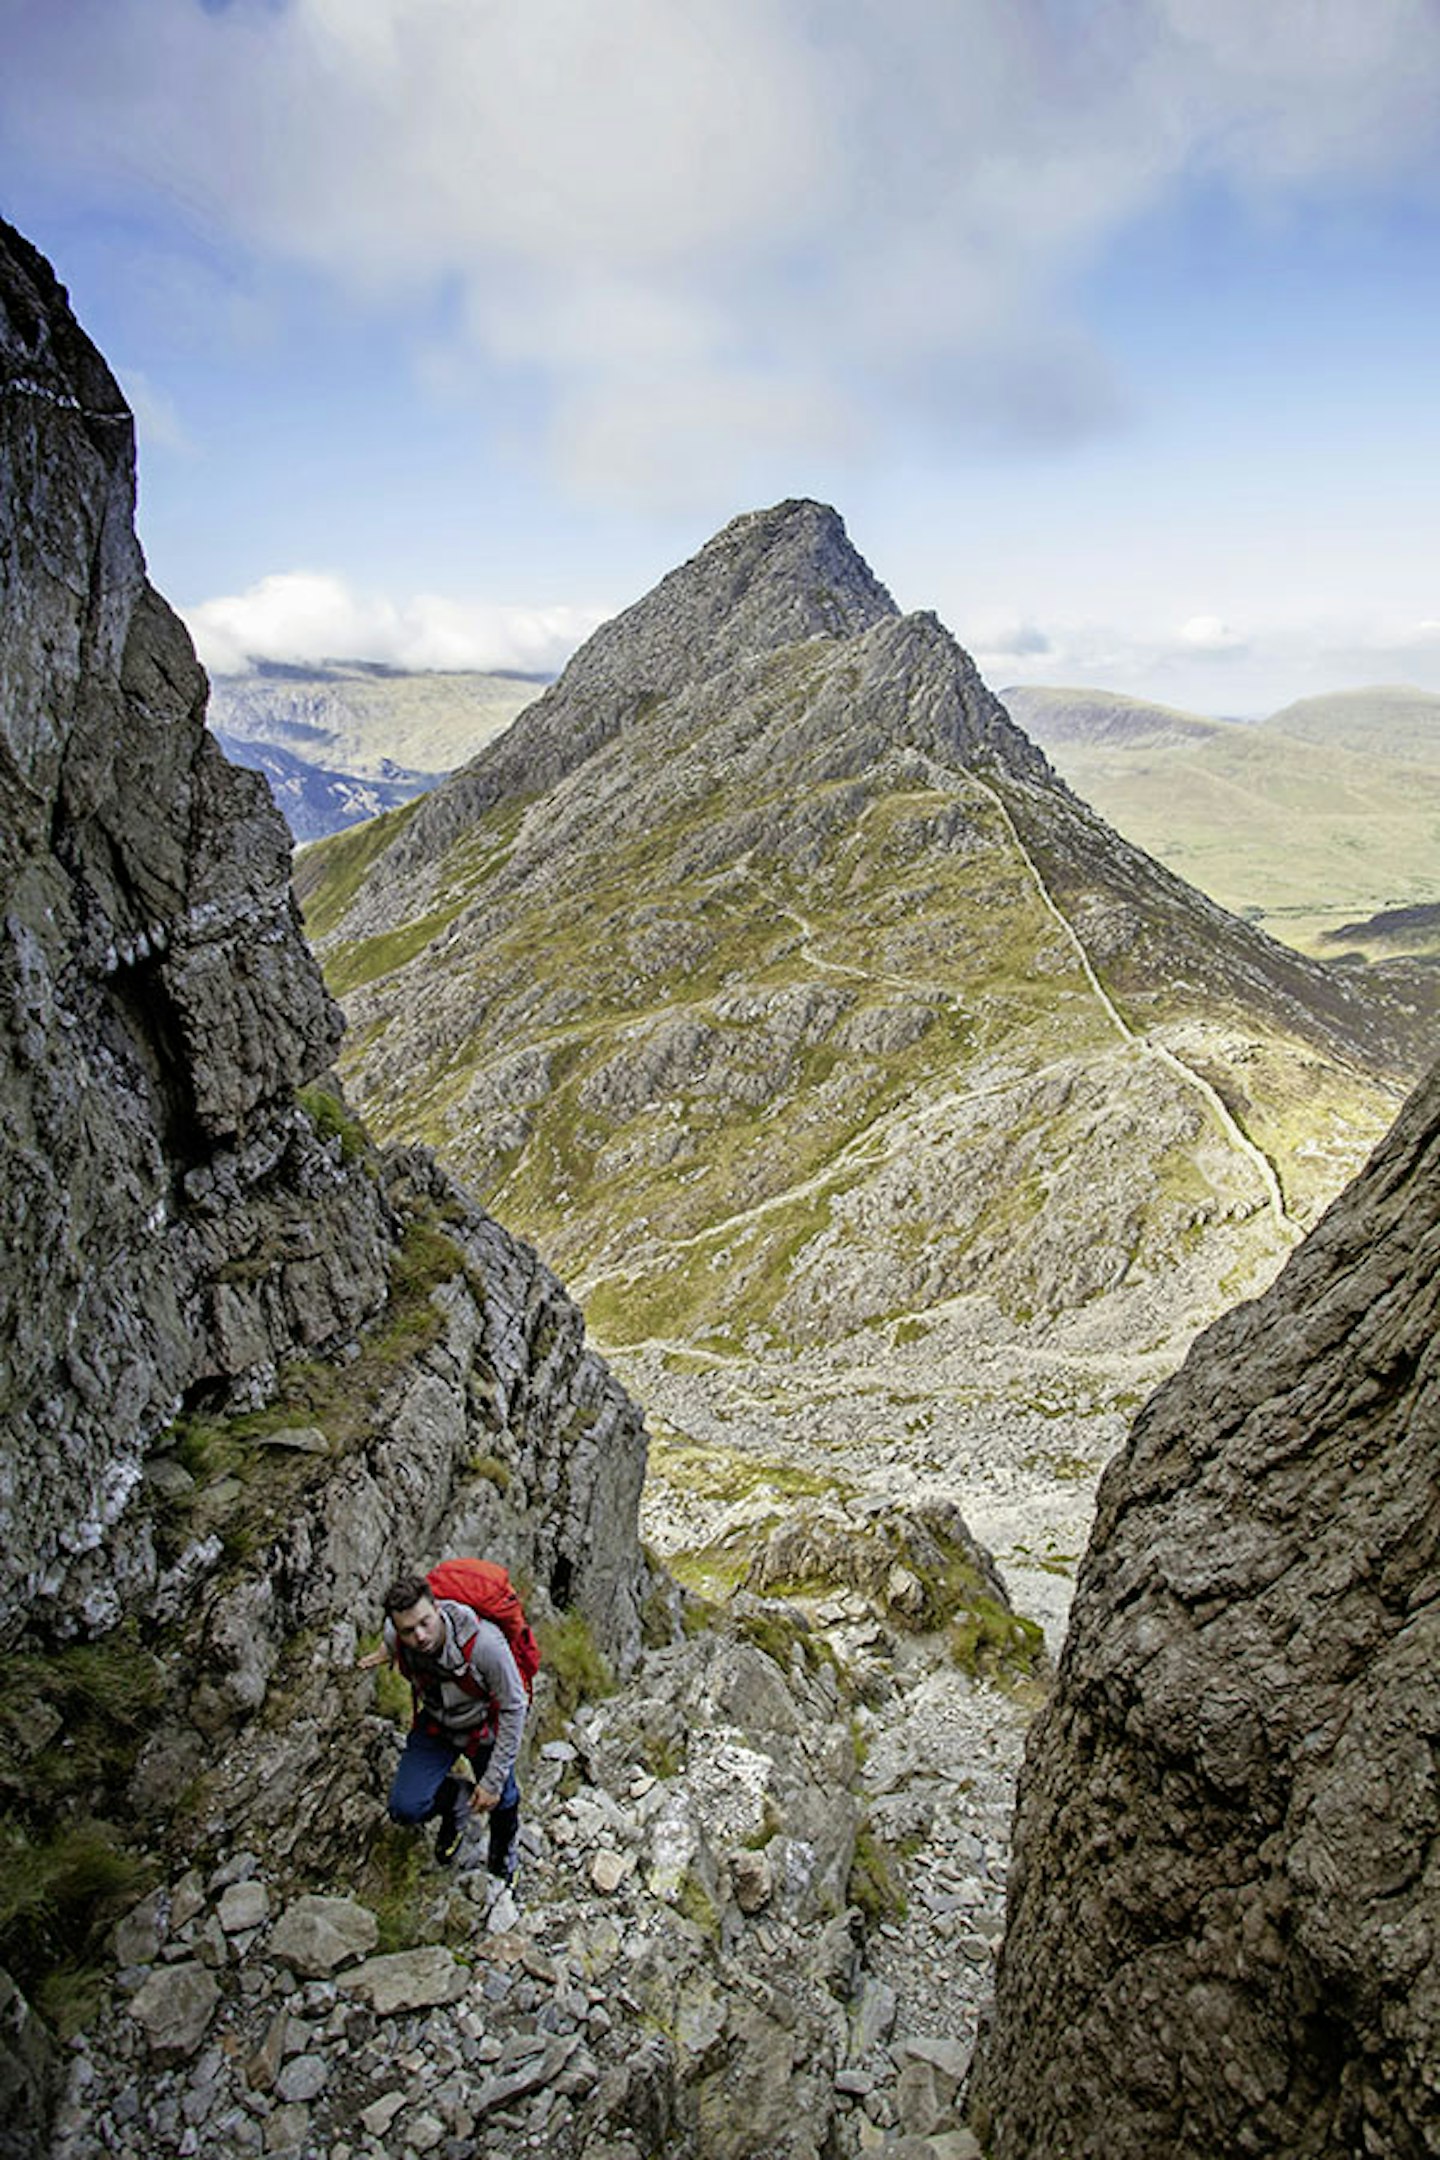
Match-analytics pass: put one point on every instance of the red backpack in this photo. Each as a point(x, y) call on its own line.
point(486, 1588)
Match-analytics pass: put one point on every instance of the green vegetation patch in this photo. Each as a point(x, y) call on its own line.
point(329, 875)
point(697, 1905)
point(72, 1723)
point(393, 1884)
point(990, 1641)
point(732, 1474)
point(333, 1121)
point(783, 1635)
point(874, 1885)
point(715, 1572)
point(350, 966)
point(578, 1670)
point(61, 1890)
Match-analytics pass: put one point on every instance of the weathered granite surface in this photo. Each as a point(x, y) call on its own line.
point(1225, 1902)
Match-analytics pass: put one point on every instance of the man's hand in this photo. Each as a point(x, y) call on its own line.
point(481, 1802)
point(372, 1659)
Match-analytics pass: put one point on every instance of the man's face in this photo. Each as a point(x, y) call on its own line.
point(419, 1627)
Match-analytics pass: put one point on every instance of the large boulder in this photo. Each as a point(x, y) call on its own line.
point(1226, 1896)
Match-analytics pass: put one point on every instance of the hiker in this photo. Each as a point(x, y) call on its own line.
point(470, 1700)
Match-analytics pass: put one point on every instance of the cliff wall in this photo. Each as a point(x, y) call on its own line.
point(1226, 1898)
point(188, 1227)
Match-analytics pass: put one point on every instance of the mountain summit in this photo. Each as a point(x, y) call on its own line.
point(769, 578)
point(765, 973)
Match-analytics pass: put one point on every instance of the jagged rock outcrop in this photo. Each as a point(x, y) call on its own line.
point(250, 1368)
point(180, 1226)
point(1225, 1901)
point(171, 1223)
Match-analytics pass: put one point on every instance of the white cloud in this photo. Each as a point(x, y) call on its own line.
point(308, 617)
point(751, 196)
point(1000, 647)
point(1208, 634)
point(1280, 658)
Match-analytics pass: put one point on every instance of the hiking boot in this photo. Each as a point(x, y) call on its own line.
point(506, 1869)
point(452, 1827)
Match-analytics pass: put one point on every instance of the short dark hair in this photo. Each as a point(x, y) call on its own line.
point(405, 1591)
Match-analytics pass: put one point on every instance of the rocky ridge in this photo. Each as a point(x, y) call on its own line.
point(253, 1366)
point(1224, 1898)
point(768, 977)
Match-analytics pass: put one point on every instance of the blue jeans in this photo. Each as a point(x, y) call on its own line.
point(423, 1787)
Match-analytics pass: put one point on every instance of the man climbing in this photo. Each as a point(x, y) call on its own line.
point(470, 1700)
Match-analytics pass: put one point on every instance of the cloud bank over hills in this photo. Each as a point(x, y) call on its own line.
point(306, 616)
point(1108, 322)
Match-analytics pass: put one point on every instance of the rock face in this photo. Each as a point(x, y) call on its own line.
point(158, 1006)
point(1225, 1899)
point(249, 1367)
point(182, 1226)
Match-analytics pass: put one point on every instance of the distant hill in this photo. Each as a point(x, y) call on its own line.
point(1398, 930)
point(316, 802)
point(348, 740)
point(1305, 833)
point(1389, 720)
point(347, 717)
point(1102, 719)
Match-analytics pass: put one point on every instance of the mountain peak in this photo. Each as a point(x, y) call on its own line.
point(769, 578)
point(799, 554)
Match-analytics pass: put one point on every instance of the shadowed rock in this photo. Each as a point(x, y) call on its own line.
point(1225, 1902)
point(181, 1224)
point(158, 1004)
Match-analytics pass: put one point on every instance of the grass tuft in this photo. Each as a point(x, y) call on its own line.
point(872, 1883)
point(577, 1669)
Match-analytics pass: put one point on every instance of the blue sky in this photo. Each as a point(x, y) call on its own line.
point(450, 325)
